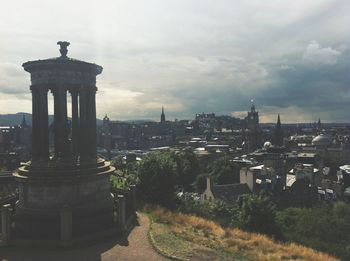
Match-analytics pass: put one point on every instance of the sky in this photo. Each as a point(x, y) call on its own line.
point(192, 56)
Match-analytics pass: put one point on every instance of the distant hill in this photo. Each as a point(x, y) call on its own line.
point(139, 121)
point(16, 119)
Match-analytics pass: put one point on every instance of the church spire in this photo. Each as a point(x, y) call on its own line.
point(278, 135)
point(24, 123)
point(162, 116)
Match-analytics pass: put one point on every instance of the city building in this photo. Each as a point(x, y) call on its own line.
point(252, 130)
point(228, 193)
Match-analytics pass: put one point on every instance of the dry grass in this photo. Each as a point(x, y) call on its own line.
point(194, 221)
point(233, 240)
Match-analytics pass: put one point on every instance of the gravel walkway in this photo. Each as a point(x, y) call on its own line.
point(135, 247)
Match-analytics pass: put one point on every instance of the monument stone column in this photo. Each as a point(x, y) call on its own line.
point(92, 121)
point(35, 123)
point(60, 122)
point(75, 122)
point(83, 121)
point(44, 124)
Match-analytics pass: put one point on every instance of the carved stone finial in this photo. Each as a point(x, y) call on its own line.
point(63, 48)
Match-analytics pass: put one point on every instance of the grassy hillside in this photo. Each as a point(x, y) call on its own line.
point(193, 238)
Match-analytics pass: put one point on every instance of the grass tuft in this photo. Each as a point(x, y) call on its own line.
point(232, 241)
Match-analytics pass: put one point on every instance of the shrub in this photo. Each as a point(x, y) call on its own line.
point(187, 168)
point(325, 227)
point(157, 175)
point(224, 171)
point(257, 214)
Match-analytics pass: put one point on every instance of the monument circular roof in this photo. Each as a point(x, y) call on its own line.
point(62, 63)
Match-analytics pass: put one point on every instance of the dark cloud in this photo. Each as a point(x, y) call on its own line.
point(190, 58)
point(320, 88)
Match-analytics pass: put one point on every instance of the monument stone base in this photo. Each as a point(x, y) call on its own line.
point(48, 190)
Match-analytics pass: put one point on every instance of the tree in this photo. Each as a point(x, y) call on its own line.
point(118, 163)
point(325, 227)
point(257, 214)
point(126, 170)
point(187, 167)
point(224, 171)
point(157, 175)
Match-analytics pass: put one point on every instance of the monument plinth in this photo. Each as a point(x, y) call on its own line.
point(73, 177)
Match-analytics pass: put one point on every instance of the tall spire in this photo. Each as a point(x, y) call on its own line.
point(24, 123)
point(162, 116)
point(278, 135)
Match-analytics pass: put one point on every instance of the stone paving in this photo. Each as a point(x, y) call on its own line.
point(135, 247)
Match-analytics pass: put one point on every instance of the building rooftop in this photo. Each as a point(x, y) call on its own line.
point(230, 192)
point(259, 167)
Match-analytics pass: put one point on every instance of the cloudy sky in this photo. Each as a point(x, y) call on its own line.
point(291, 57)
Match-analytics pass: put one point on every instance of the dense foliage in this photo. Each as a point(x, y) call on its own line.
point(215, 210)
point(160, 174)
point(224, 171)
point(325, 227)
point(185, 174)
point(253, 213)
point(187, 168)
point(257, 214)
point(125, 174)
point(157, 175)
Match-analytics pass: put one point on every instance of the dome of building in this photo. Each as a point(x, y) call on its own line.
point(322, 140)
point(267, 144)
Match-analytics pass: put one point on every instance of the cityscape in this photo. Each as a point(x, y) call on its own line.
point(185, 134)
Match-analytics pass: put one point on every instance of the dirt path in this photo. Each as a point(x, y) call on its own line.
point(135, 247)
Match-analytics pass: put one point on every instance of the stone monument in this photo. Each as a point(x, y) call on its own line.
point(69, 187)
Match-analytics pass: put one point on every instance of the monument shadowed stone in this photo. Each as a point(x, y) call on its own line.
point(73, 177)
